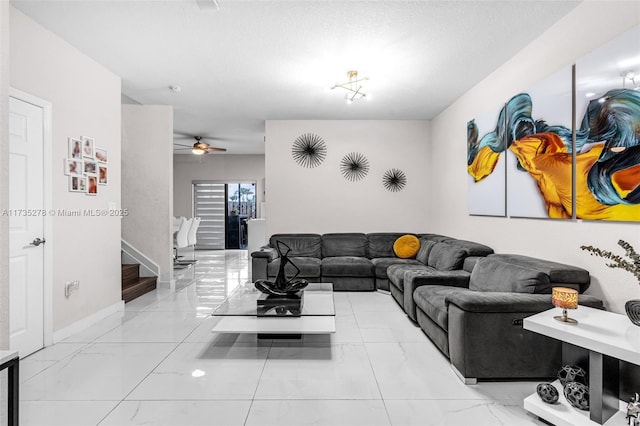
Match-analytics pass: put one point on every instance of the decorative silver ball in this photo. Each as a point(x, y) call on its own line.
point(577, 394)
point(572, 373)
point(547, 393)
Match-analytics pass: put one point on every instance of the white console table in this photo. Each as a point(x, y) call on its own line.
point(608, 337)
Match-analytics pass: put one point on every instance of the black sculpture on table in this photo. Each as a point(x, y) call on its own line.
point(282, 286)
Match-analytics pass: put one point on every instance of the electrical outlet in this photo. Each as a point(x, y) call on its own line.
point(71, 287)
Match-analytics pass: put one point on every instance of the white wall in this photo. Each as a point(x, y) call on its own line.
point(147, 182)
point(86, 102)
point(4, 174)
point(223, 168)
point(321, 200)
point(576, 34)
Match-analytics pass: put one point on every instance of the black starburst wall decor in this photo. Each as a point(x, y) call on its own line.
point(309, 150)
point(394, 180)
point(354, 166)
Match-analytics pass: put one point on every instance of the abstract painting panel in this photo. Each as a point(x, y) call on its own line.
point(539, 154)
point(486, 164)
point(608, 131)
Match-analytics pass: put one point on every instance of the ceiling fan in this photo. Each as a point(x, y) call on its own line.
point(200, 147)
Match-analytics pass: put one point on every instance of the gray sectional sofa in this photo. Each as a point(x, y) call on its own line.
point(352, 261)
point(477, 321)
point(443, 260)
point(468, 300)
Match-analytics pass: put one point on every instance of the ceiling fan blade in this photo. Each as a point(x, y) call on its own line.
point(186, 146)
point(211, 138)
point(213, 148)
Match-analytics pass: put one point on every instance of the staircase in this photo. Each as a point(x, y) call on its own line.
point(133, 285)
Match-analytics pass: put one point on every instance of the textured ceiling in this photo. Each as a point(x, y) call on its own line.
point(250, 61)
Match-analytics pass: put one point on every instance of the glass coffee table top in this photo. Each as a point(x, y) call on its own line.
point(317, 300)
point(240, 313)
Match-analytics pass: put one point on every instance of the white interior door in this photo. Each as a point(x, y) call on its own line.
point(26, 226)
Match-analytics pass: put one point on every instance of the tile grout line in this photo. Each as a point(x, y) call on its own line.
point(375, 377)
point(177, 345)
point(84, 345)
point(255, 391)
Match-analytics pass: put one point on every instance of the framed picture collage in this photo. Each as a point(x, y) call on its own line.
point(86, 166)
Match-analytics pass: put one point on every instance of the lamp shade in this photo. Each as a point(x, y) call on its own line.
point(564, 298)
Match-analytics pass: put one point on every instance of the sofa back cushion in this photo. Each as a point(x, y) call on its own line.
point(494, 275)
point(446, 257)
point(434, 237)
point(561, 275)
point(302, 245)
point(334, 245)
point(425, 249)
point(471, 247)
point(381, 244)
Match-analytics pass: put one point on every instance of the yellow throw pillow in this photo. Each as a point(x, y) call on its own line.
point(406, 246)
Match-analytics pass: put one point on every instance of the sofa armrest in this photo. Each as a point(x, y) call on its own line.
point(260, 260)
point(479, 301)
point(415, 279)
point(268, 252)
point(488, 341)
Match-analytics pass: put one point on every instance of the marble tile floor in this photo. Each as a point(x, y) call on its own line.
point(158, 363)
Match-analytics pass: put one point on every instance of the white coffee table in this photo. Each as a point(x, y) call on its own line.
point(239, 314)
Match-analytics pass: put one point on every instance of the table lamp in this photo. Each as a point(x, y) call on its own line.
point(565, 298)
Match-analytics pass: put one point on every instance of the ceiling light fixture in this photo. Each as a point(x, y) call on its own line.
point(353, 87)
point(198, 149)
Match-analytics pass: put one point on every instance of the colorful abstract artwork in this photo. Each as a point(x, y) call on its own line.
point(532, 137)
point(539, 150)
point(486, 164)
point(534, 132)
point(608, 131)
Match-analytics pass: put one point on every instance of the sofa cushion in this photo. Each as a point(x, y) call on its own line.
point(381, 244)
point(493, 275)
point(344, 244)
point(472, 248)
point(347, 266)
point(302, 245)
point(434, 237)
point(425, 248)
point(470, 263)
point(431, 299)
point(406, 246)
point(309, 267)
point(395, 272)
point(446, 257)
point(557, 272)
point(382, 263)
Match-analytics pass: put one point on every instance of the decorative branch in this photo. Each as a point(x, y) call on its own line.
point(632, 266)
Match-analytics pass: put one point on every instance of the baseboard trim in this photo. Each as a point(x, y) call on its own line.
point(87, 322)
point(167, 280)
